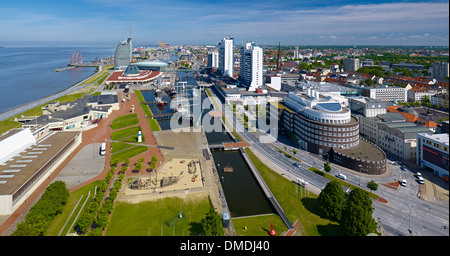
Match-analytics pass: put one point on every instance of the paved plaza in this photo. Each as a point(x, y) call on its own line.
point(85, 165)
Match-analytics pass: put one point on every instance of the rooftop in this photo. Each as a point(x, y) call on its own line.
point(364, 150)
point(18, 170)
point(441, 137)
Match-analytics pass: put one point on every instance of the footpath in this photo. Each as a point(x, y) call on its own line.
point(99, 134)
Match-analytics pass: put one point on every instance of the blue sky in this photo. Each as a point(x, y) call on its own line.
point(302, 22)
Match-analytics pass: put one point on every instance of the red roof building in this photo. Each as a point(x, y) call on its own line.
point(143, 77)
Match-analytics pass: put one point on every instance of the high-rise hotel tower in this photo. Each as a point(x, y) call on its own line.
point(226, 61)
point(122, 54)
point(251, 66)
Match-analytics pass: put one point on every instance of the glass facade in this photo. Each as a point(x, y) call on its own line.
point(122, 54)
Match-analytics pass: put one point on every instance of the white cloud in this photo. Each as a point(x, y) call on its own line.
point(208, 22)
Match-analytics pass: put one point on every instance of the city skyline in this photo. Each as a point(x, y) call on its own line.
point(305, 22)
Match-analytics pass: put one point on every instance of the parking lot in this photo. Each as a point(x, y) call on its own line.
point(85, 165)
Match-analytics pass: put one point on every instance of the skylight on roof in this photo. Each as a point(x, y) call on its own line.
point(329, 106)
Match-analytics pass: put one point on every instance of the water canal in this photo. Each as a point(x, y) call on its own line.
point(243, 194)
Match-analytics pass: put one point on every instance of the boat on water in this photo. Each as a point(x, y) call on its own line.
point(160, 102)
point(172, 91)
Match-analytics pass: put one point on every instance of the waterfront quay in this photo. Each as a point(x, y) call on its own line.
point(36, 103)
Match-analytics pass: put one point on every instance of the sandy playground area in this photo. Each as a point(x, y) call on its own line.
point(175, 175)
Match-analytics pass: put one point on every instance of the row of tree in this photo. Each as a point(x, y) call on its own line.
point(40, 216)
point(353, 211)
point(95, 217)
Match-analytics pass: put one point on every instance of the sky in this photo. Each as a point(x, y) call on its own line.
point(301, 22)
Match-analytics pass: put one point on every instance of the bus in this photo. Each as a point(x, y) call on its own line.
point(103, 149)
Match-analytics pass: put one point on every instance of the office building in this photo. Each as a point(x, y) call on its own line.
point(351, 64)
point(226, 61)
point(385, 93)
point(440, 69)
point(251, 66)
point(399, 138)
point(322, 125)
point(368, 107)
point(432, 152)
point(213, 59)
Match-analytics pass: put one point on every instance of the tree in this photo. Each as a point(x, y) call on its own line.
point(425, 99)
point(114, 162)
point(372, 185)
point(357, 217)
point(332, 200)
point(138, 166)
point(327, 166)
point(212, 224)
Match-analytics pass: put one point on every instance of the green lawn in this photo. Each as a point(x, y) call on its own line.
point(118, 146)
point(139, 96)
point(117, 135)
point(147, 110)
point(120, 118)
point(258, 225)
point(124, 123)
point(304, 209)
point(150, 217)
point(129, 153)
point(154, 125)
point(74, 197)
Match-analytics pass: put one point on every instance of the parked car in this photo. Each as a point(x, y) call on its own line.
point(419, 175)
point(341, 176)
point(403, 182)
point(296, 164)
point(420, 180)
point(404, 168)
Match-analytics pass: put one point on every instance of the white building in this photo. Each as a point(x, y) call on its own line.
point(432, 152)
point(385, 93)
point(213, 59)
point(13, 142)
point(251, 66)
point(226, 62)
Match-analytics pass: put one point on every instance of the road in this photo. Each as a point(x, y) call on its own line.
point(404, 211)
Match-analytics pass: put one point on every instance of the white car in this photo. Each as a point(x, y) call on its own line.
point(419, 175)
point(420, 180)
point(403, 182)
point(341, 176)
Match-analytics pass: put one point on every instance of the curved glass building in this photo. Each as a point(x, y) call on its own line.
point(122, 54)
point(154, 65)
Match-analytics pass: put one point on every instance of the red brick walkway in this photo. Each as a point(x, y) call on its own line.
point(291, 232)
point(98, 135)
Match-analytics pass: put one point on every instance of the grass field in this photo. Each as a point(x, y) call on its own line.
point(117, 135)
point(304, 209)
point(153, 217)
point(258, 225)
point(124, 123)
point(58, 223)
point(129, 153)
point(154, 125)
